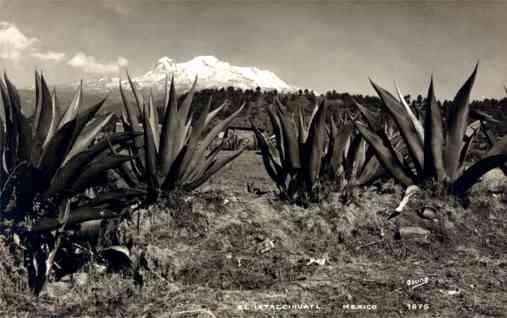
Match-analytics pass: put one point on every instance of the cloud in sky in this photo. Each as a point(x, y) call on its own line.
point(13, 43)
point(15, 46)
point(49, 56)
point(90, 65)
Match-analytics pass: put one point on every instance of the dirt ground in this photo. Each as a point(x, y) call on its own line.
point(232, 249)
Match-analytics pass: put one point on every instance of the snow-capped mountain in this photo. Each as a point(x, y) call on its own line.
point(211, 73)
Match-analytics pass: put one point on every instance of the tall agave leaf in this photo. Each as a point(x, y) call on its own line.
point(151, 154)
point(277, 130)
point(68, 173)
point(74, 106)
point(386, 156)
point(434, 137)
point(104, 206)
point(5, 193)
point(21, 140)
point(336, 149)
point(290, 138)
point(40, 117)
point(3, 170)
point(415, 122)
point(469, 138)
point(405, 126)
point(352, 154)
point(85, 139)
point(169, 126)
point(274, 170)
point(189, 163)
point(316, 137)
point(456, 125)
point(153, 119)
point(213, 168)
point(368, 115)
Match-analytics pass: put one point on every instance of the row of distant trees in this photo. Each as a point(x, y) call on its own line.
point(339, 103)
point(258, 99)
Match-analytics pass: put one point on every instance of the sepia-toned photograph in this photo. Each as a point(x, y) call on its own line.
point(253, 158)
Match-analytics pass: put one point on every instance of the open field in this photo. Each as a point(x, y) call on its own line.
point(226, 252)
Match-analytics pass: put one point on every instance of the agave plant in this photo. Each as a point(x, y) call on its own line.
point(175, 152)
point(46, 163)
point(349, 159)
point(436, 150)
point(307, 156)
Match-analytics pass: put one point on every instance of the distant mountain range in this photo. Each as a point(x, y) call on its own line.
point(211, 73)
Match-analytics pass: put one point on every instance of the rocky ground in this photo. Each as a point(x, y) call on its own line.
point(232, 249)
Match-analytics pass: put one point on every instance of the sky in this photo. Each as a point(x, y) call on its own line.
point(315, 44)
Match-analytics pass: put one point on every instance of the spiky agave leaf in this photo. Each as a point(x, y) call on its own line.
point(87, 136)
point(183, 123)
point(336, 148)
point(302, 129)
point(168, 145)
point(352, 155)
point(152, 174)
point(290, 137)
point(131, 113)
point(3, 170)
point(405, 126)
point(45, 119)
point(213, 168)
point(316, 138)
point(434, 138)
point(212, 115)
point(371, 171)
point(134, 92)
point(5, 188)
point(386, 156)
point(88, 176)
point(55, 153)
point(153, 119)
point(55, 117)
point(196, 153)
point(456, 124)
point(70, 171)
point(278, 132)
point(104, 206)
point(73, 109)
point(274, 170)
point(469, 138)
point(369, 116)
point(415, 122)
point(19, 137)
point(131, 124)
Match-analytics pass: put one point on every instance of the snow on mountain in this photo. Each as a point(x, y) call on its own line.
point(211, 73)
